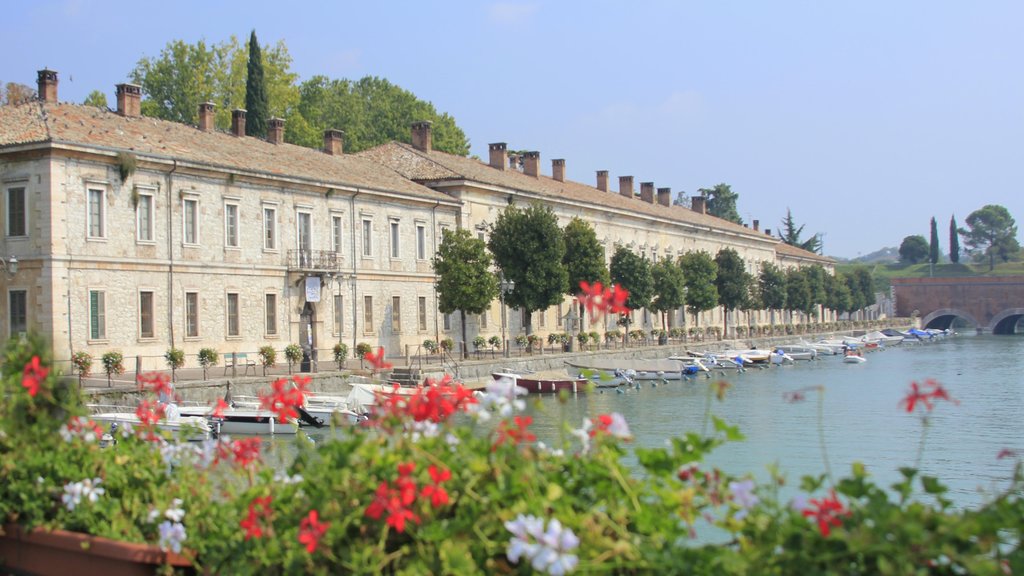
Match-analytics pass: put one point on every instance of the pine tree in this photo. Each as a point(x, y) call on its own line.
point(933, 246)
point(256, 104)
point(954, 241)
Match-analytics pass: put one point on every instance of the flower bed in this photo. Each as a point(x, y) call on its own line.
point(447, 481)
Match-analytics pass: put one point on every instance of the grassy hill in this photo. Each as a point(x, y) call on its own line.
point(882, 273)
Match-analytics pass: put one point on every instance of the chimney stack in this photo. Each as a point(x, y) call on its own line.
point(238, 122)
point(421, 137)
point(626, 186)
point(275, 131)
point(531, 164)
point(665, 196)
point(757, 225)
point(498, 154)
point(602, 180)
point(129, 99)
point(768, 231)
point(47, 85)
point(206, 116)
point(334, 142)
point(558, 169)
point(647, 192)
point(697, 203)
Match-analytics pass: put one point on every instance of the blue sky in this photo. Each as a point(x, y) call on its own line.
point(864, 118)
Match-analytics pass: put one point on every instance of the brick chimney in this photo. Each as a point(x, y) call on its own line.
point(275, 131)
point(238, 122)
point(665, 196)
point(768, 231)
point(129, 99)
point(558, 169)
point(757, 225)
point(421, 137)
point(626, 186)
point(47, 85)
point(206, 116)
point(334, 142)
point(498, 153)
point(602, 180)
point(647, 192)
point(697, 203)
point(531, 164)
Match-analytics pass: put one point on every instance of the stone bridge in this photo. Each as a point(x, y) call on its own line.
point(990, 303)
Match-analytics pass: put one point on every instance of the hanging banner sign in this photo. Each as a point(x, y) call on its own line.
point(312, 288)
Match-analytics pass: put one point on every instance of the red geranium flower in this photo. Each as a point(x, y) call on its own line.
point(160, 383)
point(33, 376)
point(252, 526)
point(919, 395)
point(311, 530)
point(438, 496)
point(377, 360)
point(827, 512)
point(245, 451)
point(218, 410)
point(517, 434)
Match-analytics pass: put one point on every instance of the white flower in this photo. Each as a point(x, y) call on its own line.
point(176, 513)
point(744, 497)
point(171, 536)
point(75, 492)
point(546, 549)
point(284, 478)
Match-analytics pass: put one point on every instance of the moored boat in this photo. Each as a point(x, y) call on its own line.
point(196, 428)
point(546, 383)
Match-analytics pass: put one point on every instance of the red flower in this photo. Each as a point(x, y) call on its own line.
point(827, 512)
point(311, 530)
point(600, 300)
point(283, 400)
point(377, 361)
point(245, 451)
point(1006, 453)
point(517, 434)
point(160, 382)
point(917, 394)
point(252, 526)
point(438, 496)
point(218, 410)
point(150, 412)
point(33, 376)
point(617, 300)
point(434, 401)
point(406, 468)
point(395, 502)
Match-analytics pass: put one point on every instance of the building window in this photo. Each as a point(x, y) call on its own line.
point(271, 315)
point(542, 316)
point(145, 314)
point(336, 231)
point(17, 308)
point(97, 315)
point(367, 238)
point(96, 225)
point(483, 320)
point(144, 218)
point(191, 314)
point(339, 314)
point(231, 225)
point(16, 213)
point(269, 228)
point(367, 313)
point(394, 239)
point(190, 220)
point(421, 242)
point(232, 310)
point(447, 322)
point(396, 314)
point(422, 313)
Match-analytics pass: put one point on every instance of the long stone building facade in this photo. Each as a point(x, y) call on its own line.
point(130, 233)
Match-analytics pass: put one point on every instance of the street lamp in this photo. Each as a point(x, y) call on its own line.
point(9, 264)
point(507, 286)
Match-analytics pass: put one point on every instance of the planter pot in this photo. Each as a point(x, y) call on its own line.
point(60, 552)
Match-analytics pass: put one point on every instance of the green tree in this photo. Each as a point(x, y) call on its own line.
point(864, 284)
point(933, 244)
point(14, 93)
point(632, 273)
point(913, 249)
point(954, 241)
point(790, 234)
point(464, 278)
point(669, 288)
point(529, 246)
point(837, 292)
point(991, 232)
point(700, 271)
point(798, 292)
point(772, 286)
point(256, 101)
point(721, 202)
point(816, 282)
point(584, 258)
point(857, 300)
point(681, 199)
point(97, 99)
point(732, 283)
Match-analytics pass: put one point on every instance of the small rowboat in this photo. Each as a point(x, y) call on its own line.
point(541, 384)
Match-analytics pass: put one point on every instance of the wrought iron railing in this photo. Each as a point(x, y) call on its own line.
point(314, 260)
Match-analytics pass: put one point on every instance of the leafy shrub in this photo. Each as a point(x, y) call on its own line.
point(82, 362)
point(268, 356)
point(430, 346)
point(479, 343)
point(113, 364)
point(494, 341)
point(175, 358)
point(293, 353)
point(340, 354)
point(447, 344)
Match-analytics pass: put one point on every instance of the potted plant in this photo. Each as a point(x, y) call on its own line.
point(113, 365)
point(479, 343)
point(268, 357)
point(208, 357)
point(495, 342)
point(293, 354)
point(447, 345)
point(582, 339)
point(362, 349)
point(175, 358)
point(340, 354)
point(430, 346)
point(521, 341)
point(81, 361)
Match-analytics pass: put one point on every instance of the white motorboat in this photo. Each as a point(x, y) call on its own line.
point(196, 428)
point(242, 419)
point(854, 357)
point(882, 338)
point(779, 357)
point(798, 351)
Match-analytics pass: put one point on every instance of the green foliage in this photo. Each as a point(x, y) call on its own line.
point(293, 353)
point(863, 284)
point(82, 362)
point(208, 357)
point(669, 287)
point(529, 247)
point(933, 243)
point(731, 280)
point(96, 98)
point(126, 165)
point(494, 341)
point(447, 344)
point(798, 291)
point(430, 346)
point(479, 343)
point(837, 291)
point(954, 241)
point(362, 349)
point(790, 234)
point(991, 232)
point(700, 272)
point(772, 284)
point(175, 358)
point(464, 278)
point(721, 202)
point(268, 356)
point(256, 99)
point(340, 353)
point(584, 255)
point(113, 363)
point(521, 340)
point(914, 249)
point(633, 273)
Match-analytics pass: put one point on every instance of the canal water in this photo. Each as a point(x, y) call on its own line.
point(862, 419)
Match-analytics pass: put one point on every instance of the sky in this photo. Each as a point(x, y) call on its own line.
point(865, 119)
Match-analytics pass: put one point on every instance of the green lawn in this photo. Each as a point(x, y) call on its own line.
point(882, 273)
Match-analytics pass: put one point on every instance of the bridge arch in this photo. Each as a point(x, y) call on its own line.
point(1005, 321)
point(943, 318)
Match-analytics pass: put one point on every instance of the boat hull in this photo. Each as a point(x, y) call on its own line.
point(545, 385)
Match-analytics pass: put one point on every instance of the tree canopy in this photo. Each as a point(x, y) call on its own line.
point(700, 271)
point(954, 241)
point(732, 282)
point(992, 232)
point(14, 93)
point(669, 287)
point(721, 202)
point(798, 291)
point(97, 99)
point(464, 278)
point(914, 249)
point(772, 283)
point(528, 246)
point(256, 101)
point(837, 291)
point(790, 234)
point(933, 243)
point(632, 273)
point(584, 259)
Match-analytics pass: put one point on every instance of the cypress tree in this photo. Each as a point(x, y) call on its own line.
point(256, 106)
point(954, 241)
point(933, 246)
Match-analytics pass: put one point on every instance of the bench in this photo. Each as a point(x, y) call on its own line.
point(239, 359)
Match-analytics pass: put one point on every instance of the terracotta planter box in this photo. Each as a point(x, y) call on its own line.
point(61, 553)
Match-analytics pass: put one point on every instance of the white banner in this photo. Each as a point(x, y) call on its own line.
point(312, 288)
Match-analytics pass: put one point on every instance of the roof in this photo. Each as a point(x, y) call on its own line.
point(791, 251)
point(90, 126)
point(435, 167)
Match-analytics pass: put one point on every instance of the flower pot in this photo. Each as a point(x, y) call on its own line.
point(60, 552)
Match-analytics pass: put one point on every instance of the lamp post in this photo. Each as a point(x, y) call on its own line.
point(9, 264)
point(507, 286)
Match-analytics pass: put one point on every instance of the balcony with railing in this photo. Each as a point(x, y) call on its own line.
point(313, 261)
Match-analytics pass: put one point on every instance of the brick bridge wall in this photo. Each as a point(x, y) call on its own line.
point(990, 303)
